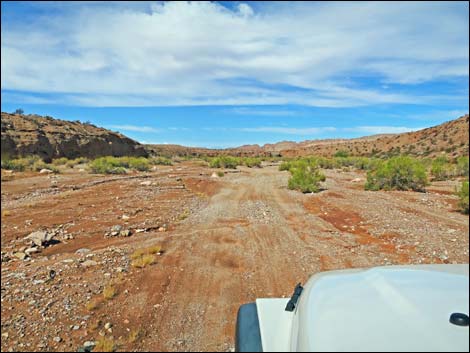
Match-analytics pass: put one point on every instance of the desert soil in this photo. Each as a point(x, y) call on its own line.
point(226, 241)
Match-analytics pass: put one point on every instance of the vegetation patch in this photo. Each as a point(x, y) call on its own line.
point(145, 256)
point(105, 345)
point(305, 176)
point(462, 193)
point(109, 292)
point(398, 173)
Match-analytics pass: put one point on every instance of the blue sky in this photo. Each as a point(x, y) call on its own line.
point(222, 74)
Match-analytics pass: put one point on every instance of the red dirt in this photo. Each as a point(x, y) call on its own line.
point(227, 241)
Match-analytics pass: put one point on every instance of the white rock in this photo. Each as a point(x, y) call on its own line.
point(45, 171)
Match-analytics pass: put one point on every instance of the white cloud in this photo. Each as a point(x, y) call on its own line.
point(291, 131)
point(372, 130)
point(201, 53)
point(134, 128)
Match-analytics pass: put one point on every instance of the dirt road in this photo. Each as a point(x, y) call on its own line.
point(242, 237)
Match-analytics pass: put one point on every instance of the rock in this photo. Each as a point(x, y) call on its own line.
point(32, 250)
point(89, 344)
point(146, 183)
point(45, 171)
point(57, 339)
point(38, 281)
point(214, 175)
point(20, 255)
point(82, 251)
point(108, 325)
point(76, 327)
point(41, 237)
point(125, 217)
point(89, 263)
point(356, 180)
point(125, 233)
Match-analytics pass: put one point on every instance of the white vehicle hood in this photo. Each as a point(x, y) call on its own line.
point(393, 308)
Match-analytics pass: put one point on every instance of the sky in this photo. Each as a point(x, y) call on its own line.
point(224, 74)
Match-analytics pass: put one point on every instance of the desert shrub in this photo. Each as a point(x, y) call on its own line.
point(143, 261)
point(146, 251)
point(20, 164)
point(224, 162)
point(220, 174)
point(107, 165)
point(285, 165)
point(60, 161)
point(397, 173)
point(161, 161)
point(342, 153)
point(441, 169)
point(145, 256)
point(462, 193)
point(73, 162)
point(305, 177)
point(109, 292)
point(141, 164)
point(462, 166)
point(252, 162)
point(105, 345)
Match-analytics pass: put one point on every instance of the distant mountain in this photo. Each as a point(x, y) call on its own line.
point(50, 138)
point(450, 138)
point(53, 138)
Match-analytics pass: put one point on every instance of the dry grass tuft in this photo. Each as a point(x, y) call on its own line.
point(134, 335)
point(105, 345)
point(143, 261)
point(109, 292)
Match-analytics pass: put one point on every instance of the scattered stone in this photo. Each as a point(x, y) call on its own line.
point(45, 171)
point(108, 325)
point(38, 281)
point(125, 217)
point(76, 327)
point(214, 175)
point(57, 339)
point(32, 250)
point(125, 233)
point(146, 183)
point(82, 251)
point(356, 180)
point(161, 229)
point(89, 344)
point(89, 263)
point(20, 255)
point(41, 237)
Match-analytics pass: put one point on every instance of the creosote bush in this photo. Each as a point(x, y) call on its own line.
point(462, 193)
point(398, 173)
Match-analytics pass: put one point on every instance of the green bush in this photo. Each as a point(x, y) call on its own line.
point(251, 162)
point(342, 153)
point(60, 161)
point(161, 161)
point(441, 169)
point(462, 193)
point(285, 165)
point(73, 162)
point(397, 173)
point(141, 164)
point(20, 164)
point(305, 177)
point(462, 166)
point(224, 162)
point(107, 165)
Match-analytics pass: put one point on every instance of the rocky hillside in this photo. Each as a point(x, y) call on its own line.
point(53, 138)
point(450, 137)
